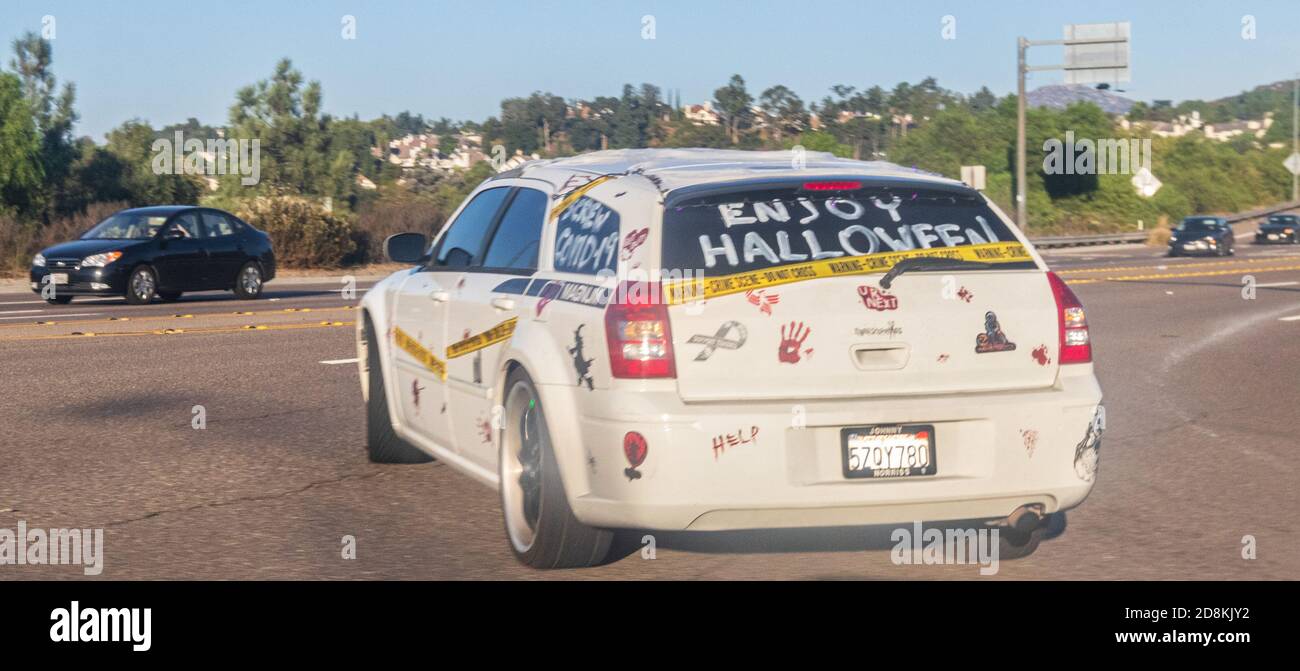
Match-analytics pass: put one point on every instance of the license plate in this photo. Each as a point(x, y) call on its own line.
point(888, 451)
point(58, 278)
point(1272, 236)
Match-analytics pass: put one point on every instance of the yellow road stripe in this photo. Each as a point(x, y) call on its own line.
point(420, 352)
point(188, 331)
point(1175, 266)
point(1162, 276)
point(684, 291)
point(109, 320)
point(499, 333)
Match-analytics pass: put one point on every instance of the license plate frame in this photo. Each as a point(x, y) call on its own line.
point(864, 437)
point(59, 278)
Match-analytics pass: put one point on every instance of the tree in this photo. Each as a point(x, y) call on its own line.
point(733, 102)
point(284, 114)
point(783, 110)
point(21, 169)
point(54, 116)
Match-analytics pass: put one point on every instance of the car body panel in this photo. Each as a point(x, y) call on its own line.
point(751, 444)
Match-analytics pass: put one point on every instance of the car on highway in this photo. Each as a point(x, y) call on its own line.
point(1279, 228)
point(1202, 235)
point(157, 252)
point(720, 340)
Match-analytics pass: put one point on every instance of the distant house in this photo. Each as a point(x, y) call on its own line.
point(1188, 123)
point(1251, 127)
point(414, 150)
point(702, 115)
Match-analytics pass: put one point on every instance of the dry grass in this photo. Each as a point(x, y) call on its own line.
point(20, 241)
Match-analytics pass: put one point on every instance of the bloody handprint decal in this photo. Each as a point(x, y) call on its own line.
point(792, 339)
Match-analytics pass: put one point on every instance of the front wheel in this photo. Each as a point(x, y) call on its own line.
point(540, 526)
point(248, 283)
point(142, 286)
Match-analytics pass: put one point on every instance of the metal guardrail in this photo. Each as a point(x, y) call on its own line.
point(1049, 242)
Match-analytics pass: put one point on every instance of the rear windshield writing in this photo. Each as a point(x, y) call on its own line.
point(586, 238)
point(755, 230)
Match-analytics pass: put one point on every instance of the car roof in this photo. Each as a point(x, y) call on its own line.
point(160, 210)
point(671, 169)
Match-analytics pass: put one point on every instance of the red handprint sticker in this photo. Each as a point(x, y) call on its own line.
point(792, 338)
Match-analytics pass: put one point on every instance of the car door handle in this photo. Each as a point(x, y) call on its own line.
point(501, 303)
point(440, 296)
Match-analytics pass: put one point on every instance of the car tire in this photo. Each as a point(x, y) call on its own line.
point(383, 444)
point(141, 286)
point(170, 296)
point(59, 300)
point(540, 526)
point(248, 282)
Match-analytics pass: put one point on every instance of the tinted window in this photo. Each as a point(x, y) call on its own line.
point(126, 226)
point(189, 223)
point(586, 237)
point(515, 243)
point(218, 224)
point(755, 230)
point(462, 243)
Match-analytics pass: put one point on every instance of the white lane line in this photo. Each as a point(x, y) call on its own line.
point(18, 312)
point(1292, 318)
point(335, 362)
point(55, 316)
point(22, 302)
point(1277, 284)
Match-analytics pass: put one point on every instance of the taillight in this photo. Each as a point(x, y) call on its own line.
point(636, 329)
point(1076, 347)
point(831, 186)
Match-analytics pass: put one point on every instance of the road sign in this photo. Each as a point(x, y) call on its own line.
point(1292, 163)
point(1146, 183)
point(1098, 62)
point(973, 176)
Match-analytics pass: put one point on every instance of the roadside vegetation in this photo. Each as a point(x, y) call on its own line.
point(328, 193)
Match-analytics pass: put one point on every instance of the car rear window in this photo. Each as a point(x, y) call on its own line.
point(746, 231)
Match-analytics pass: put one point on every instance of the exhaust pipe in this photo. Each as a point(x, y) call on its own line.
point(1025, 518)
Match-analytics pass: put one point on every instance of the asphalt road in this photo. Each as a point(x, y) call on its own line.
point(95, 431)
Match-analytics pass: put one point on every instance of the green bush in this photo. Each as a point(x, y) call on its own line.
point(304, 234)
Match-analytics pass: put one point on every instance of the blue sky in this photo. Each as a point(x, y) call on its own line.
point(166, 60)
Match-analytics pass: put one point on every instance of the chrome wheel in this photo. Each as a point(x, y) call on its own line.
point(142, 285)
point(250, 280)
point(522, 443)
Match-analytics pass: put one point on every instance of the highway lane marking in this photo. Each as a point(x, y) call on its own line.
point(78, 314)
point(238, 313)
point(1165, 276)
point(21, 302)
point(189, 331)
point(1277, 284)
point(1162, 266)
point(1292, 318)
point(336, 362)
point(18, 312)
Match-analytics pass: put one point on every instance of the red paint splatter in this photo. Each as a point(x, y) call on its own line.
point(763, 300)
point(943, 358)
point(1040, 355)
point(1030, 437)
point(485, 429)
point(965, 294)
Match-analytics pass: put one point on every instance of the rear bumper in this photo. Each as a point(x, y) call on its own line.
point(995, 452)
point(1261, 237)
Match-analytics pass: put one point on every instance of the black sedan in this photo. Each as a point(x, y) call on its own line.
point(162, 252)
point(1279, 228)
point(1202, 235)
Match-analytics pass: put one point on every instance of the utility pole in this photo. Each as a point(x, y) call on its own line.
point(1295, 139)
point(1021, 45)
point(1082, 61)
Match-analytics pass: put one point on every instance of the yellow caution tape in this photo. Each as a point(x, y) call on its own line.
point(685, 291)
point(499, 333)
point(576, 194)
point(420, 352)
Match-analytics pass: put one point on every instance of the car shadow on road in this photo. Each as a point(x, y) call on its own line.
point(812, 539)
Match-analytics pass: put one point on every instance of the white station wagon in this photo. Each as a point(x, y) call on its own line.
point(717, 340)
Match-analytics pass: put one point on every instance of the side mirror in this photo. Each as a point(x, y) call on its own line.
point(405, 247)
